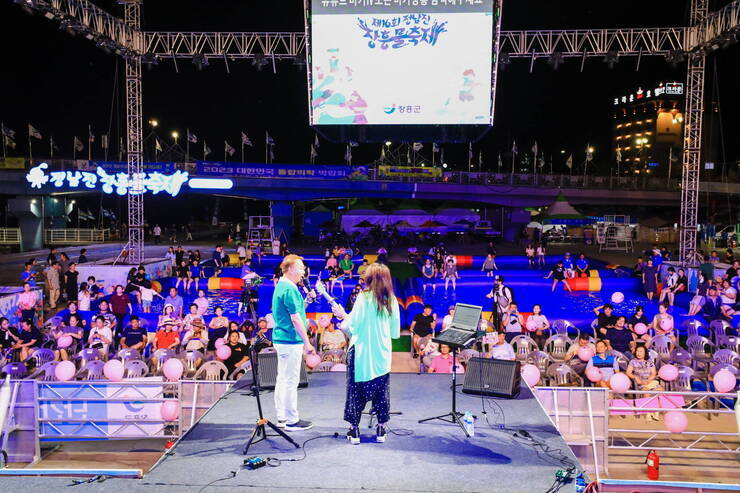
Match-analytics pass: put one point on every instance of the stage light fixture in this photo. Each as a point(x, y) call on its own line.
point(150, 59)
point(555, 60)
point(104, 45)
point(200, 61)
point(611, 58)
point(674, 57)
point(259, 61)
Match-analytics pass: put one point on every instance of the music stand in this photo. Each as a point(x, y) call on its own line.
point(260, 432)
point(454, 416)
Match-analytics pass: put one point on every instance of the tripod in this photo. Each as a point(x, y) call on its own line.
point(260, 430)
point(454, 416)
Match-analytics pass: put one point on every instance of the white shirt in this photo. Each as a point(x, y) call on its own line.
point(446, 321)
point(503, 351)
point(83, 301)
point(269, 317)
point(730, 300)
point(202, 304)
point(241, 251)
point(147, 294)
point(157, 231)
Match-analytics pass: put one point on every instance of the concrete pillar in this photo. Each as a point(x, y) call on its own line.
point(282, 216)
point(29, 212)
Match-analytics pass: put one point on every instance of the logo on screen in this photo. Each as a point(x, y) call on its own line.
point(389, 109)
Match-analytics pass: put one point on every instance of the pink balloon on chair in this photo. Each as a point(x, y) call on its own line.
point(594, 374)
point(172, 369)
point(223, 353)
point(113, 370)
point(170, 410)
point(65, 371)
point(313, 360)
point(585, 353)
point(339, 367)
point(666, 324)
point(619, 382)
point(530, 374)
point(668, 373)
point(617, 297)
point(219, 342)
point(676, 421)
point(64, 341)
point(724, 381)
point(640, 329)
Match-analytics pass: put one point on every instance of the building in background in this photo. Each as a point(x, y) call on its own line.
point(648, 130)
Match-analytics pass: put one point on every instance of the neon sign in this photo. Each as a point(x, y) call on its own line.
point(669, 89)
point(120, 183)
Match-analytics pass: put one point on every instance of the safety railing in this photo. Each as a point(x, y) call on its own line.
point(10, 236)
point(75, 236)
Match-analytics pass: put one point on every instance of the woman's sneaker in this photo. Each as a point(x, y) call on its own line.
point(380, 433)
point(298, 426)
point(353, 435)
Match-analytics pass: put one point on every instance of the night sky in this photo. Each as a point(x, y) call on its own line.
point(61, 84)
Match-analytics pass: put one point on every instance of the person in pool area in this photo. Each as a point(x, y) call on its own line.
point(570, 271)
point(428, 273)
point(582, 269)
point(529, 253)
point(540, 255)
point(558, 274)
point(489, 265)
point(650, 279)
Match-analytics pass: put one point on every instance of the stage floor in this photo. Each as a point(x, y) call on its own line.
point(435, 457)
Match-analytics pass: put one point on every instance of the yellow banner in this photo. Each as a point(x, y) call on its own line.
point(410, 171)
point(12, 163)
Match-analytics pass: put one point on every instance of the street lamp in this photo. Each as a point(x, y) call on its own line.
point(388, 143)
point(590, 149)
point(154, 123)
point(175, 135)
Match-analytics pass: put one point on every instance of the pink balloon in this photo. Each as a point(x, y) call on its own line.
point(668, 373)
point(170, 410)
point(339, 367)
point(219, 342)
point(676, 421)
point(666, 324)
point(619, 382)
point(530, 374)
point(64, 341)
point(594, 374)
point(172, 369)
point(223, 352)
point(617, 297)
point(65, 371)
point(724, 381)
point(113, 370)
point(531, 326)
point(313, 360)
point(585, 353)
point(640, 329)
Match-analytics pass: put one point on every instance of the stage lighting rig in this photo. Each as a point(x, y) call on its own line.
point(200, 61)
point(260, 62)
point(611, 58)
point(555, 60)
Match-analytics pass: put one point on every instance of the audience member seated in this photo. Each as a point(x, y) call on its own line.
point(619, 337)
point(196, 337)
point(331, 338)
point(607, 363)
point(663, 323)
point(697, 302)
point(501, 349)
point(642, 371)
point(8, 334)
point(571, 356)
point(101, 336)
point(606, 318)
point(134, 336)
point(176, 301)
point(201, 302)
point(192, 317)
point(73, 310)
point(443, 362)
point(447, 319)
point(421, 326)
point(239, 352)
point(219, 326)
point(72, 329)
point(29, 338)
point(712, 309)
point(109, 320)
point(728, 295)
point(263, 338)
point(167, 337)
point(537, 324)
point(169, 312)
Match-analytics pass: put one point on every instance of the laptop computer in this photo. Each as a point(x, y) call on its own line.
point(462, 329)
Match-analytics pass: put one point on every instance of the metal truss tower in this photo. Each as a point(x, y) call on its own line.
point(135, 247)
point(692, 136)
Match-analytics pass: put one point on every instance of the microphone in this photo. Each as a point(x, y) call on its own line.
point(321, 289)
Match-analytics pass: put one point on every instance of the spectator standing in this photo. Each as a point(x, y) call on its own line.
point(70, 282)
point(27, 302)
point(52, 283)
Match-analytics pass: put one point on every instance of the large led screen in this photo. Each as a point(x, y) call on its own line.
point(401, 62)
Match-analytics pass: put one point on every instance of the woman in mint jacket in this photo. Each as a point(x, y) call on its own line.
point(372, 323)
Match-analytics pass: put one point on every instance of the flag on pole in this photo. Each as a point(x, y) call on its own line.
point(206, 150)
point(619, 155)
point(408, 155)
point(316, 141)
point(500, 163)
point(348, 154)
point(9, 142)
point(542, 160)
point(269, 140)
point(514, 149)
point(79, 146)
point(352, 143)
point(157, 145)
point(418, 146)
point(192, 138)
point(535, 149)
point(246, 141)
point(228, 149)
point(569, 162)
point(382, 153)
point(32, 132)
point(104, 141)
point(53, 144)
point(480, 158)
point(314, 153)
point(7, 132)
point(470, 151)
point(90, 135)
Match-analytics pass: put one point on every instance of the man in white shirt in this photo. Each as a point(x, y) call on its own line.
point(502, 349)
point(728, 295)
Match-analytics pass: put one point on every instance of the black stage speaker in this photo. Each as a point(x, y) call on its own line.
point(492, 377)
point(267, 366)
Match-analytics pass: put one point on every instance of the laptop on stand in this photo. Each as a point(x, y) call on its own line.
point(462, 331)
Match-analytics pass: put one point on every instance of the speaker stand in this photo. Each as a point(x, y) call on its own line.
point(454, 416)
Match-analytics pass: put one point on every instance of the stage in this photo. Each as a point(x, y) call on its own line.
point(435, 457)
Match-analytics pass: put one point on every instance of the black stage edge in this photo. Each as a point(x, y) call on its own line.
point(436, 457)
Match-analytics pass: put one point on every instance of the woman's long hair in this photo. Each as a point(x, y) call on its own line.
point(379, 283)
